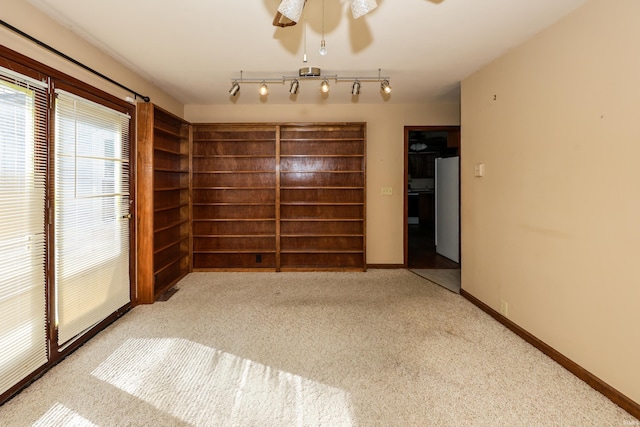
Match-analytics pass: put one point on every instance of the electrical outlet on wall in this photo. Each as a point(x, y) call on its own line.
point(504, 308)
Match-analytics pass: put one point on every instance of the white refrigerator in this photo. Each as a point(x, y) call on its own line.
point(448, 207)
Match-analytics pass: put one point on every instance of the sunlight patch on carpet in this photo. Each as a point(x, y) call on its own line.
point(61, 416)
point(204, 386)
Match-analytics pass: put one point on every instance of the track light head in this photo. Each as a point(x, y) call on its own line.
point(235, 88)
point(355, 89)
point(293, 89)
point(323, 48)
point(385, 86)
point(263, 89)
point(324, 86)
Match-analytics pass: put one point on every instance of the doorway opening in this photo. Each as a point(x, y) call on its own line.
point(423, 145)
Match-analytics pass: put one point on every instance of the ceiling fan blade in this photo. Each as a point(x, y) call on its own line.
point(282, 21)
point(291, 10)
point(362, 7)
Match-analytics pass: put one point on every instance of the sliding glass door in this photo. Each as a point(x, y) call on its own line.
point(64, 216)
point(23, 340)
point(91, 213)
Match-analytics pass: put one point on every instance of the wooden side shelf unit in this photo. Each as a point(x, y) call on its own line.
point(163, 210)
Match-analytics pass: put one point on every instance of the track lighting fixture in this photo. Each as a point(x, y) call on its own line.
point(355, 89)
point(310, 73)
point(293, 89)
point(263, 90)
point(235, 88)
point(385, 86)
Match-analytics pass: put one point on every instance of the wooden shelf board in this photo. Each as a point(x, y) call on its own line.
point(170, 151)
point(167, 208)
point(234, 269)
point(305, 156)
point(216, 236)
point(235, 188)
point(321, 235)
point(231, 156)
point(170, 188)
point(303, 268)
point(170, 263)
point(233, 140)
point(168, 226)
point(170, 170)
point(167, 246)
point(234, 204)
point(321, 203)
point(321, 139)
point(232, 219)
point(168, 132)
point(320, 188)
point(231, 172)
point(321, 171)
point(318, 251)
point(321, 219)
point(238, 251)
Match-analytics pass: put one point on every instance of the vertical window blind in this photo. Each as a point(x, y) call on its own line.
point(91, 213)
point(23, 157)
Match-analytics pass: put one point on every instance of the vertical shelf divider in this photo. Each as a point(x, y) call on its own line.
point(144, 204)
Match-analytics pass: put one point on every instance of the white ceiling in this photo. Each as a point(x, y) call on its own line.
point(193, 48)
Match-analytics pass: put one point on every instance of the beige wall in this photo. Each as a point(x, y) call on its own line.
point(25, 17)
point(385, 154)
point(553, 228)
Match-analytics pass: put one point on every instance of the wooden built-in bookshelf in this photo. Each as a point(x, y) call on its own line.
point(246, 197)
point(163, 201)
point(234, 197)
point(278, 197)
point(322, 197)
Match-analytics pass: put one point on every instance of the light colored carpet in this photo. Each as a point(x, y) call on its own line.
point(381, 348)
point(447, 278)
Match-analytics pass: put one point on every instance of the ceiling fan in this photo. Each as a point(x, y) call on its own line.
point(290, 11)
